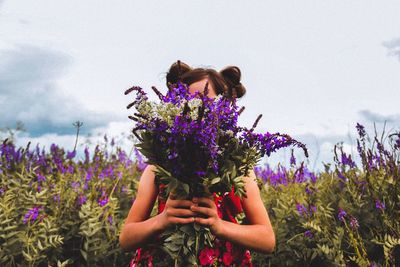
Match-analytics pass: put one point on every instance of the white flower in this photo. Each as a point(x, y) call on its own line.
point(218, 97)
point(194, 103)
point(229, 132)
point(194, 114)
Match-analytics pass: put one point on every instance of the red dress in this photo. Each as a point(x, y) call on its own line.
point(224, 252)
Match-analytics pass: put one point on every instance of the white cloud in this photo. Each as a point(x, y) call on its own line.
point(29, 92)
point(393, 47)
point(376, 117)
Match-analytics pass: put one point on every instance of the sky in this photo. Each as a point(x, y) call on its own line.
point(312, 68)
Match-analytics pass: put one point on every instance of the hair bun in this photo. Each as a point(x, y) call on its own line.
point(176, 71)
point(232, 76)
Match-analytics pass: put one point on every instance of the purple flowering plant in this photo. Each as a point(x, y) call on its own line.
point(198, 149)
point(195, 141)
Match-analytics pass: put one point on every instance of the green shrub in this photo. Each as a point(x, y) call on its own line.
point(57, 211)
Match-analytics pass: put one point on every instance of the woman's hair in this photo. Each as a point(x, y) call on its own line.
point(225, 81)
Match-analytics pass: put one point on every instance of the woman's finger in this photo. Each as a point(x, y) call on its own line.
point(181, 212)
point(176, 203)
point(208, 202)
point(177, 220)
point(203, 210)
point(203, 221)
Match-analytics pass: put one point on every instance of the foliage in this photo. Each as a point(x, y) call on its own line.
point(56, 210)
point(345, 217)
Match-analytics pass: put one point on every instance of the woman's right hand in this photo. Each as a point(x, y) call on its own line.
point(176, 211)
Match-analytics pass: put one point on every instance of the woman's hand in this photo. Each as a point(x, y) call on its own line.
point(210, 213)
point(176, 211)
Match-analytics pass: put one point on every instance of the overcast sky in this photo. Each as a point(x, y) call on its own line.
point(312, 68)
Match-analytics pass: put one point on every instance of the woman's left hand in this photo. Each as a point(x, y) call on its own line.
point(210, 213)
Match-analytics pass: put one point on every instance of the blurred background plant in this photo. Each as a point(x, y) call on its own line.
point(58, 210)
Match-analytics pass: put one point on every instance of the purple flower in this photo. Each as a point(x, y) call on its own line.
point(140, 164)
point(361, 130)
point(71, 155)
point(103, 201)
point(379, 205)
point(102, 174)
point(173, 155)
point(313, 209)
point(307, 174)
point(268, 175)
point(308, 234)
point(341, 214)
point(56, 198)
point(353, 222)
point(87, 159)
point(342, 177)
point(346, 160)
point(309, 190)
point(200, 173)
point(75, 185)
point(301, 209)
point(81, 199)
point(89, 174)
point(124, 189)
point(121, 155)
point(41, 178)
point(110, 219)
point(32, 214)
point(397, 143)
point(70, 169)
point(299, 176)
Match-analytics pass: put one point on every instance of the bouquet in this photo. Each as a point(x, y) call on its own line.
point(198, 150)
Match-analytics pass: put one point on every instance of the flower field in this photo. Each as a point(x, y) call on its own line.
point(58, 210)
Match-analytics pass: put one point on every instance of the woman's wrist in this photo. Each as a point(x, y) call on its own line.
point(218, 229)
point(159, 223)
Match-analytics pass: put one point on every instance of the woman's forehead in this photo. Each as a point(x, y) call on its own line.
point(200, 85)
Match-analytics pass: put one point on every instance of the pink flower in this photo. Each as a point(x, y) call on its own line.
point(227, 258)
point(207, 256)
point(217, 201)
point(246, 259)
point(228, 246)
point(136, 258)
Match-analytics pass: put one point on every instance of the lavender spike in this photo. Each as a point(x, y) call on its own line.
point(256, 122)
point(241, 110)
point(133, 118)
point(158, 93)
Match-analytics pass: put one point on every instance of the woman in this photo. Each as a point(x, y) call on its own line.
point(257, 234)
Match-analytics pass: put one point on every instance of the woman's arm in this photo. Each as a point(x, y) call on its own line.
point(139, 228)
point(258, 236)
